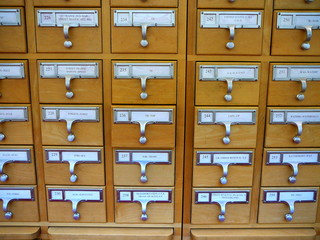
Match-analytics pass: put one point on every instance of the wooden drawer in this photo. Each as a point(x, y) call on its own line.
point(220, 83)
point(76, 204)
point(15, 31)
point(129, 123)
point(208, 205)
point(296, 4)
point(147, 167)
point(132, 206)
point(220, 167)
point(67, 3)
point(211, 125)
point(14, 74)
point(144, 3)
point(26, 233)
point(144, 82)
point(70, 81)
point(161, 36)
point(231, 4)
point(274, 205)
point(12, 3)
point(85, 38)
point(289, 36)
point(291, 167)
point(215, 34)
point(74, 166)
point(86, 125)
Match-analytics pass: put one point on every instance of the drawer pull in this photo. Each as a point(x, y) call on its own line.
point(67, 42)
point(306, 44)
point(144, 42)
point(300, 95)
point(297, 138)
point(69, 93)
point(228, 96)
point(144, 94)
point(230, 44)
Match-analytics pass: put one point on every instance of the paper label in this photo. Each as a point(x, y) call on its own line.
point(304, 72)
point(281, 72)
point(209, 19)
point(80, 156)
point(125, 196)
point(78, 18)
point(51, 114)
point(11, 71)
point(241, 73)
point(274, 158)
point(152, 71)
point(150, 196)
point(271, 197)
point(206, 117)
point(78, 114)
point(303, 116)
point(207, 72)
point(153, 18)
point(56, 195)
point(12, 155)
point(300, 158)
point(150, 156)
point(65, 70)
point(122, 71)
point(203, 197)
point(231, 158)
point(15, 194)
point(10, 17)
point(123, 156)
point(238, 19)
point(53, 156)
point(297, 196)
point(150, 116)
point(242, 117)
point(13, 114)
point(278, 117)
point(75, 70)
point(82, 195)
point(122, 116)
point(308, 20)
point(228, 197)
point(285, 20)
point(123, 18)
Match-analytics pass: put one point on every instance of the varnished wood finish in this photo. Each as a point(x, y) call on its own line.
point(14, 3)
point(67, 3)
point(144, 3)
point(296, 4)
point(246, 4)
point(25, 233)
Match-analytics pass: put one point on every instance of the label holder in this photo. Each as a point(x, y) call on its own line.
point(15, 19)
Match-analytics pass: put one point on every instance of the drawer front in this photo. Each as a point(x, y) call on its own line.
point(127, 26)
point(231, 4)
point(14, 30)
point(294, 84)
point(291, 167)
point(13, 3)
point(143, 127)
point(74, 166)
point(143, 3)
point(21, 203)
point(215, 34)
point(218, 167)
point(144, 205)
point(212, 127)
point(227, 84)
point(14, 74)
point(299, 127)
point(144, 82)
point(71, 81)
point(296, 4)
point(220, 205)
point(147, 167)
point(89, 204)
point(72, 125)
point(53, 35)
point(289, 38)
point(274, 205)
point(68, 3)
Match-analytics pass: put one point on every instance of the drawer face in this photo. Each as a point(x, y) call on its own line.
point(68, 3)
point(216, 29)
point(274, 205)
point(291, 167)
point(17, 165)
point(299, 127)
point(144, 205)
point(89, 201)
point(294, 84)
point(208, 205)
point(143, 127)
point(16, 126)
point(227, 84)
point(12, 25)
point(71, 81)
point(14, 75)
point(12, 3)
point(296, 33)
point(22, 206)
point(225, 127)
point(144, 3)
point(158, 26)
point(84, 123)
point(82, 36)
point(297, 4)
point(144, 82)
point(229, 4)
point(74, 166)
point(218, 167)
point(147, 167)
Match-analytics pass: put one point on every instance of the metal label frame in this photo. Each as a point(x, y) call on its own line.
point(25, 112)
point(131, 19)
point(247, 192)
point(213, 111)
point(57, 64)
point(216, 67)
point(58, 119)
point(289, 67)
point(143, 151)
point(18, 18)
point(285, 112)
point(292, 152)
point(293, 16)
point(63, 190)
point(219, 25)
point(26, 150)
point(278, 195)
point(131, 65)
point(21, 76)
point(32, 194)
point(75, 24)
point(212, 153)
point(146, 190)
point(60, 151)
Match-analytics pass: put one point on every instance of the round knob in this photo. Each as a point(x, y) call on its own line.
point(4, 177)
point(143, 95)
point(69, 94)
point(292, 179)
point(76, 216)
point(223, 180)
point(68, 44)
point(8, 215)
point(296, 140)
point(232, 1)
point(305, 46)
point(308, 1)
point(288, 217)
point(226, 140)
point(143, 179)
point(71, 137)
point(144, 43)
point(221, 218)
point(2, 136)
point(143, 140)
point(230, 45)
point(144, 217)
point(228, 98)
point(73, 178)
point(300, 97)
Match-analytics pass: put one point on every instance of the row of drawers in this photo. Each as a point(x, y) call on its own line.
point(61, 30)
point(150, 82)
point(156, 205)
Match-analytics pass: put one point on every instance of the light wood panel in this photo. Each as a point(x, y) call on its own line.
point(67, 3)
point(25, 233)
point(296, 4)
point(246, 4)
